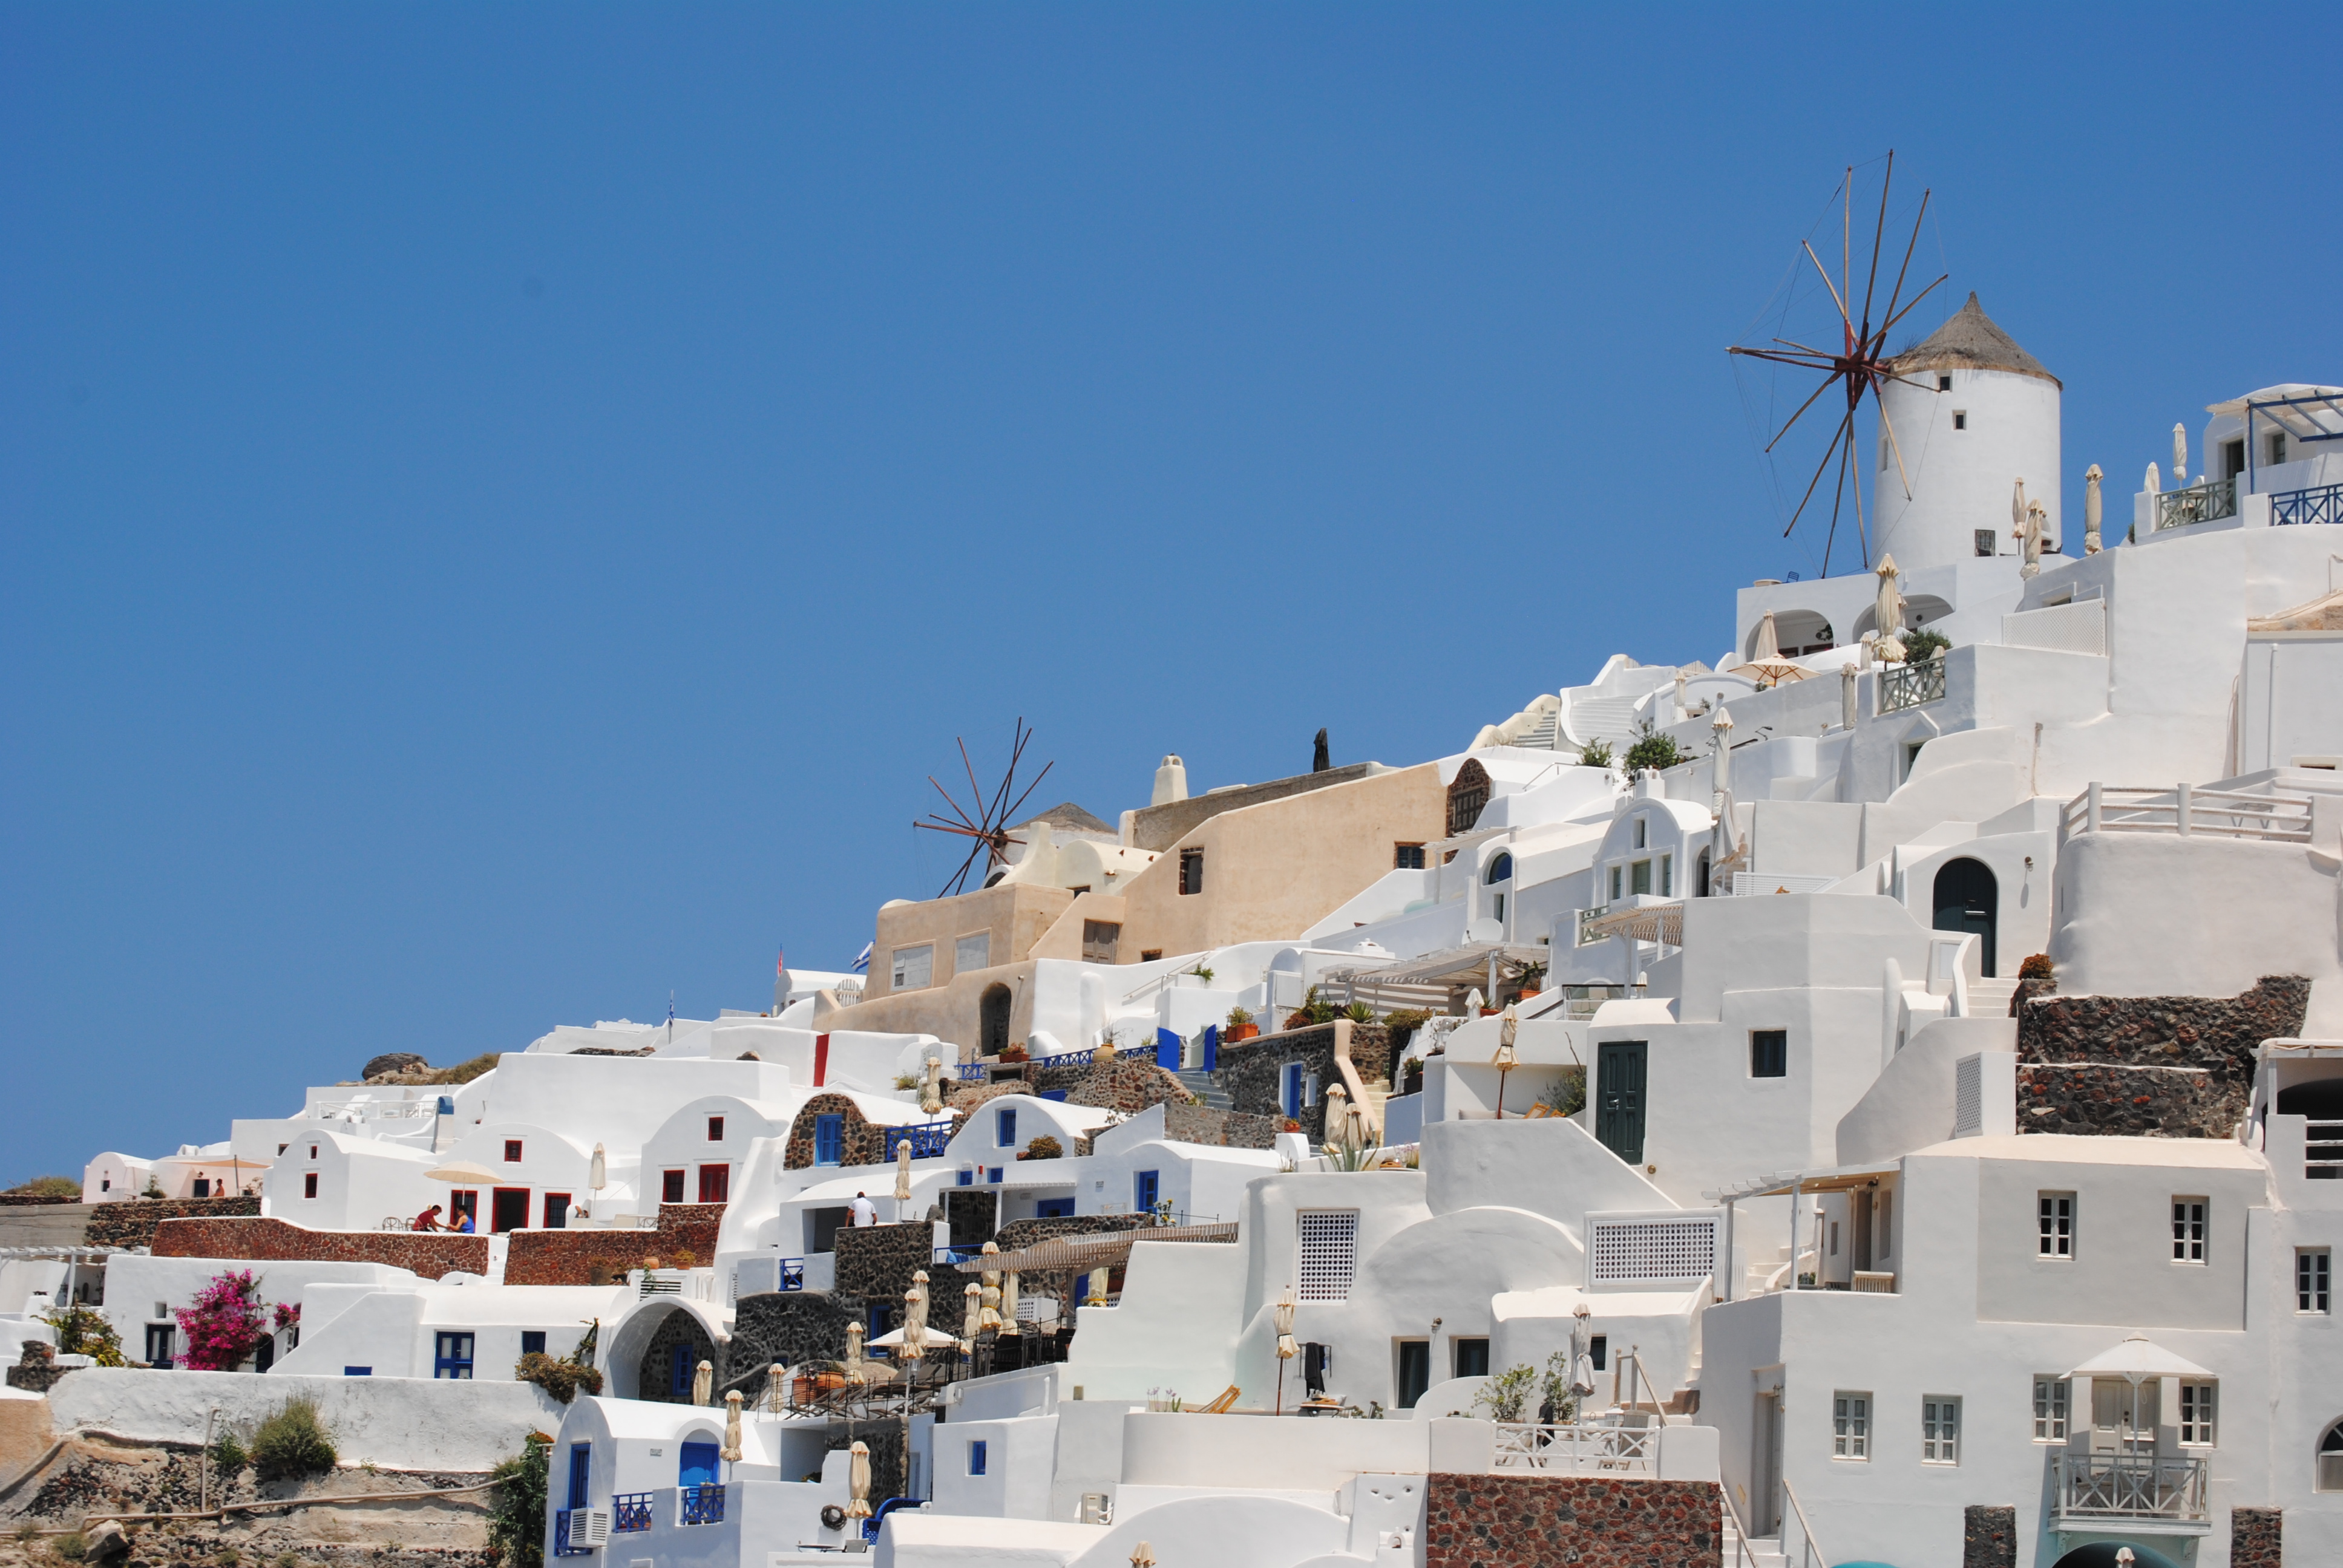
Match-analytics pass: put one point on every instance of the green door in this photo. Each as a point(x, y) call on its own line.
point(1619, 1066)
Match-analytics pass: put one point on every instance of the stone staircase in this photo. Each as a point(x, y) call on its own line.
point(1199, 1083)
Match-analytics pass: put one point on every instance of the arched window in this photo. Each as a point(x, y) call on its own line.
point(1467, 795)
point(992, 1019)
point(2331, 1460)
point(1501, 868)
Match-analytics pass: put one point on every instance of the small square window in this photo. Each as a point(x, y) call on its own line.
point(512, 1150)
point(1960, 418)
point(2055, 1226)
point(1472, 1358)
point(2188, 1230)
point(1769, 1054)
point(671, 1187)
point(532, 1342)
point(2311, 1276)
point(2276, 453)
point(1987, 541)
point(994, 1175)
point(1944, 382)
point(1850, 1425)
point(1407, 857)
point(1598, 1351)
point(1940, 1430)
point(1639, 878)
point(1640, 831)
point(716, 1129)
point(2050, 1410)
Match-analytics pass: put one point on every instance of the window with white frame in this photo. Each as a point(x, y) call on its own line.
point(1850, 1425)
point(2054, 1217)
point(1329, 1254)
point(2197, 1414)
point(1940, 1430)
point(2049, 1410)
point(1667, 876)
point(2310, 1280)
point(2188, 1230)
point(910, 968)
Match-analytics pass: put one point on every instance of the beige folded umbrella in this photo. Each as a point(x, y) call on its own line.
point(703, 1383)
point(858, 1481)
point(730, 1451)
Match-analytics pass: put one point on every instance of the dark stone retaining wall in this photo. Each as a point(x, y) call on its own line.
point(568, 1257)
point(1220, 1128)
point(875, 1261)
point(257, 1240)
point(792, 1327)
point(131, 1221)
point(37, 1370)
point(656, 1377)
point(863, 1142)
point(1571, 1522)
point(2157, 1067)
point(2254, 1537)
point(1989, 1535)
point(1251, 1072)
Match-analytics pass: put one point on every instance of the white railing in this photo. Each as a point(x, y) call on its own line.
point(375, 1110)
point(1740, 1552)
point(2079, 626)
point(1576, 1449)
point(2117, 1486)
point(2189, 811)
point(1810, 1551)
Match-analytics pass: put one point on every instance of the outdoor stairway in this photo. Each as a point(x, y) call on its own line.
point(1753, 1552)
point(1199, 1083)
point(1378, 1090)
point(1611, 718)
point(1990, 998)
point(1539, 736)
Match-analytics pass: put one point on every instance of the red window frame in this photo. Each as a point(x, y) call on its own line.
point(714, 1183)
point(512, 1150)
point(671, 1187)
point(310, 1185)
point(716, 1129)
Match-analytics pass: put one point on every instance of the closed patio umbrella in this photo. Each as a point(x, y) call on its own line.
point(902, 1176)
point(730, 1451)
point(703, 1383)
point(975, 1320)
point(854, 1368)
point(777, 1379)
point(1008, 1304)
point(1888, 607)
point(915, 1316)
point(1286, 1350)
point(597, 1174)
point(858, 1481)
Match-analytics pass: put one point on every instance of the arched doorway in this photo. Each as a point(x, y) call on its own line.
point(1466, 796)
point(2321, 1101)
point(2102, 1554)
point(672, 1358)
point(992, 1019)
point(1968, 899)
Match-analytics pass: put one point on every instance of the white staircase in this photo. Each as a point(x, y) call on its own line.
point(1611, 718)
point(1990, 998)
point(1752, 1552)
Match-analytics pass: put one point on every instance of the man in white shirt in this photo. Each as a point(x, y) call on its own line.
point(866, 1213)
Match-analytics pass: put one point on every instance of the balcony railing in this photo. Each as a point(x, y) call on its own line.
point(926, 1142)
point(2187, 811)
point(2131, 1488)
point(1066, 1058)
point(703, 1504)
point(1909, 685)
point(630, 1510)
point(2323, 504)
point(1587, 918)
point(1578, 1450)
point(2322, 1150)
point(2197, 504)
point(971, 1072)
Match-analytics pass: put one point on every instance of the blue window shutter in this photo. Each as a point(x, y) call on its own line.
point(976, 1457)
point(1005, 1127)
point(581, 1474)
point(829, 1139)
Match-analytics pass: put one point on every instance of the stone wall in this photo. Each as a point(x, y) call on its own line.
point(568, 1257)
point(37, 1370)
point(1220, 1128)
point(1577, 1521)
point(257, 1240)
point(2154, 1067)
point(863, 1140)
point(877, 1261)
point(656, 1373)
point(2254, 1537)
point(132, 1223)
point(792, 1327)
point(1251, 1073)
point(1988, 1534)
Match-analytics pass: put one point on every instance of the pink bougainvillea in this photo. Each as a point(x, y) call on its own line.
point(288, 1315)
point(224, 1324)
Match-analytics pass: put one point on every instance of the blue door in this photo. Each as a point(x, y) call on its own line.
point(699, 1466)
point(1292, 1097)
point(1143, 1184)
point(680, 1371)
point(1212, 1047)
point(829, 1139)
point(454, 1357)
point(1168, 1051)
point(581, 1474)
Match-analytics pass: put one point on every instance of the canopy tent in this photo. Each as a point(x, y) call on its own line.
point(1646, 922)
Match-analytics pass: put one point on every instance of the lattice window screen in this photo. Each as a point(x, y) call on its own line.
point(1654, 1250)
point(1330, 1256)
point(1968, 1097)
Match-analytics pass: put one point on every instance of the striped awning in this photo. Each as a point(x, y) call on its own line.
point(1645, 924)
point(1100, 1250)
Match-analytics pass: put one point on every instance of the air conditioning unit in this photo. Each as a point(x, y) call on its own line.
point(590, 1527)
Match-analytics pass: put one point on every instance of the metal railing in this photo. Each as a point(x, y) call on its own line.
point(1810, 1551)
point(1066, 1058)
point(927, 1142)
point(703, 1504)
point(1576, 1449)
point(2117, 1486)
point(2322, 505)
point(1903, 686)
point(2186, 810)
point(972, 1071)
point(2200, 503)
point(630, 1510)
point(1742, 1557)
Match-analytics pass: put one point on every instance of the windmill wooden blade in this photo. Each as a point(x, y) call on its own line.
point(1877, 236)
point(949, 801)
point(1917, 218)
point(1838, 491)
point(975, 789)
point(1817, 480)
point(1809, 402)
point(1829, 284)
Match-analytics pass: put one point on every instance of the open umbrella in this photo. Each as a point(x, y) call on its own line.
point(929, 1340)
point(730, 1451)
point(703, 1383)
point(459, 1171)
point(2139, 1360)
point(858, 1481)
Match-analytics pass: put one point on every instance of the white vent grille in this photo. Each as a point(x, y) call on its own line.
point(590, 1527)
point(1653, 1249)
point(2078, 627)
point(1968, 1097)
point(1330, 1256)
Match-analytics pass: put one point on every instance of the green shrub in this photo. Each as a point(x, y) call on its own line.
point(293, 1442)
point(1313, 1010)
point(1651, 750)
point(62, 1189)
point(228, 1456)
point(1506, 1396)
point(1594, 754)
point(1923, 644)
point(1239, 1017)
point(517, 1506)
point(83, 1332)
point(1359, 1012)
point(563, 1379)
point(72, 1548)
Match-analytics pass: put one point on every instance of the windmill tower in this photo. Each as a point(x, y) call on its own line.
point(1973, 414)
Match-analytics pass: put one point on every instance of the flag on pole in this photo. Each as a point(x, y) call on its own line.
point(781, 962)
point(862, 959)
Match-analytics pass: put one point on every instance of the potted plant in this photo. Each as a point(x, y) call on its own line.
point(1013, 1052)
point(1533, 980)
point(1241, 1026)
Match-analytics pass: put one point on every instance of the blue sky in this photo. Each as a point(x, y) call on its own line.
point(502, 508)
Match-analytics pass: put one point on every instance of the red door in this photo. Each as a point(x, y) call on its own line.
point(714, 1183)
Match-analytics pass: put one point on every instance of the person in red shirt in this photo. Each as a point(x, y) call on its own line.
point(428, 1219)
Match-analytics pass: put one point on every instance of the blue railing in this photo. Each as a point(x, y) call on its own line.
point(971, 1072)
point(703, 1504)
point(927, 1142)
point(561, 1547)
point(879, 1515)
point(630, 1510)
point(792, 1274)
point(2323, 504)
point(1066, 1058)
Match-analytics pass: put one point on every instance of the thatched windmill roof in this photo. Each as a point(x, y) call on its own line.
point(1970, 341)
